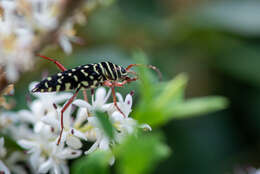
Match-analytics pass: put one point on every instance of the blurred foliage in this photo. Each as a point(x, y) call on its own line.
point(96, 162)
point(139, 153)
point(105, 124)
point(157, 107)
point(216, 43)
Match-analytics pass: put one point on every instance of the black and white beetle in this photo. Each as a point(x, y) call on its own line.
point(88, 76)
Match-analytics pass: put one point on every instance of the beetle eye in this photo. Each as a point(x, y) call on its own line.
point(123, 70)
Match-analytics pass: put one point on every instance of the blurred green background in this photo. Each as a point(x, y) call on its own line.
point(216, 42)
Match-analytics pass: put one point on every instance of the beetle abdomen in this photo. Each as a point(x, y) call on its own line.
point(84, 76)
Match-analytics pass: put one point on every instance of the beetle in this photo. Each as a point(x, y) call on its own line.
point(88, 76)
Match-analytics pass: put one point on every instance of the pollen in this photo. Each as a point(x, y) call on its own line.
point(50, 89)
point(49, 78)
point(59, 74)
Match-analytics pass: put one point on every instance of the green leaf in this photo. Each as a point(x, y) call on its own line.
point(10, 143)
point(197, 106)
point(139, 155)
point(161, 102)
point(153, 111)
point(172, 90)
point(106, 124)
point(95, 163)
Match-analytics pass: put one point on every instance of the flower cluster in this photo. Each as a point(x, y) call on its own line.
point(37, 129)
point(10, 162)
point(22, 23)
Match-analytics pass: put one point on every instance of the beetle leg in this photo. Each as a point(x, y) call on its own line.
point(112, 86)
point(85, 95)
point(128, 80)
point(114, 100)
point(63, 110)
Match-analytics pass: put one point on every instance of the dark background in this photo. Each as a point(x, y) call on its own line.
point(216, 42)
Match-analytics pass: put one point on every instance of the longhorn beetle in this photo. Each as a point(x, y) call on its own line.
point(88, 76)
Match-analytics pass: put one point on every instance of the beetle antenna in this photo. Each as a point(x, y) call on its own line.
point(58, 64)
point(148, 66)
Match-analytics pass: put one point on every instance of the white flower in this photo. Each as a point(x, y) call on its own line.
point(22, 24)
point(40, 140)
point(42, 107)
point(10, 124)
point(47, 156)
point(9, 164)
point(98, 102)
point(3, 167)
point(123, 124)
point(43, 14)
point(2, 148)
point(102, 141)
point(7, 119)
point(71, 132)
point(66, 35)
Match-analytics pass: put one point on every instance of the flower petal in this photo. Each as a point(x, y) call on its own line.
point(69, 153)
point(3, 168)
point(2, 142)
point(146, 127)
point(129, 101)
point(81, 103)
point(26, 144)
point(61, 97)
point(50, 121)
point(107, 96)
point(107, 107)
point(99, 97)
point(64, 169)
point(112, 160)
point(63, 138)
point(73, 142)
point(26, 115)
point(65, 44)
point(117, 117)
point(81, 116)
point(56, 169)
point(38, 127)
point(35, 158)
point(46, 166)
point(104, 144)
point(92, 148)
point(78, 134)
point(119, 97)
